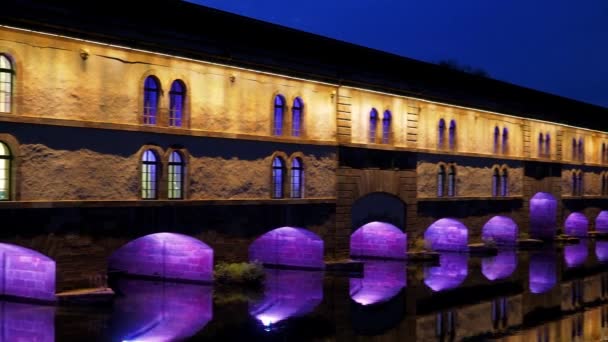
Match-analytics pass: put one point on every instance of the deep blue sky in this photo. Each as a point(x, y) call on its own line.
point(557, 46)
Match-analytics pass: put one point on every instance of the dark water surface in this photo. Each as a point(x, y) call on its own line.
point(549, 295)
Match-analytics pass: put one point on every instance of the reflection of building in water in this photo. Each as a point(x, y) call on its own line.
point(542, 272)
point(382, 280)
point(500, 266)
point(25, 322)
point(601, 250)
point(576, 255)
point(450, 273)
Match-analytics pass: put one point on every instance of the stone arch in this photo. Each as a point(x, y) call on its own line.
point(576, 224)
point(25, 273)
point(451, 272)
point(542, 272)
point(500, 266)
point(166, 256)
point(289, 246)
point(543, 216)
point(500, 229)
point(382, 280)
point(378, 239)
point(447, 234)
point(601, 221)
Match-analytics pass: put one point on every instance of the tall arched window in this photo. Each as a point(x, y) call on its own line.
point(177, 99)
point(496, 139)
point(547, 145)
point(278, 177)
point(541, 144)
point(6, 84)
point(176, 174)
point(441, 133)
point(440, 181)
point(386, 127)
point(151, 97)
point(603, 158)
point(452, 134)
point(495, 182)
point(504, 183)
point(279, 115)
point(581, 184)
point(574, 149)
point(296, 177)
point(581, 150)
point(149, 175)
point(505, 140)
point(452, 181)
point(373, 123)
point(5, 172)
point(296, 117)
point(574, 183)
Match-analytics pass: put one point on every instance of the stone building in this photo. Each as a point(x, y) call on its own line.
point(116, 126)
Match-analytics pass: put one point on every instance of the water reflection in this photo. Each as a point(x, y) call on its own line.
point(450, 273)
point(500, 266)
point(543, 271)
point(25, 322)
point(382, 280)
point(288, 294)
point(601, 250)
point(160, 311)
point(575, 255)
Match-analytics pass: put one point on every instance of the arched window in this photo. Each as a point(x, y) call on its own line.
point(504, 183)
point(603, 158)
point(296, 178)
point(547, 145)
point(581, 150)
point(177, 99)
point(496, 139)
point(452, 181)
point(373, 123)
point(495, 182)
point(386, 127)
point(278, 177)
point(541, 144)
point(151, 97)
point(441, 133)
point(452, 134)
point(5, 172)
point(296, 117)
point(574, 183)
point(505, 140)
point(440, 181)
point(279, 114)
point(149, 175)
point(176, 174)
point(581, 184)
point(574, 149)
point(6, 84)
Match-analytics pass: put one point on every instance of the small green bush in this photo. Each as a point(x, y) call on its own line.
point(244, 273)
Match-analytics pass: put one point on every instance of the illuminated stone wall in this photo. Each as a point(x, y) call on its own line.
point(26, 273)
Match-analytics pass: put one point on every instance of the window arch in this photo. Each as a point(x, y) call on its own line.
point(279, 115)
point(581, 184)
point(5, 172)
point(297, 173)
point(574, 149)
point(176, 175)
point(505, 140)
point(496, 139)
point(440, 181)
point(278, 177)
point(373, 123)
point(574, 183)
point(452, 136)
point(495, 182)
point(441, 133)
point(7, 73)
point(386, 126)
point(451, 181)
point(603, 157)
point(504, 182)
point(151, 98)
point(547, 145)
point(149, 175)
point(296, 117)
point(541, 144)
point(177, 99)
point(581, 150)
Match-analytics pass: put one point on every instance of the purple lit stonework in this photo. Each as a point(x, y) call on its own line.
point(601, 222)
point(500, 266)
point(165, 255)
point(26, 273)
point(382, 280)
point(450, 273)
point(500, 229)
point(543, 216)
point(26, 322)
point(601, 250)
point(288, 293)
point(543, 272)
point(447, 235)
point(289, 246)
point(378, 239)
point(576, 225)
point(575, 255)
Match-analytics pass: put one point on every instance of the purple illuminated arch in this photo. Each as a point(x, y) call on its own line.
point(378, 239)
point(601, 250)
point(576, 225)
point(601, 221)
point(543, 272)
point(287, 294)
point(576, 255)
point(26, 322)
point(25, 273)
point(160, 311)
point(289, 246)
point(447, 235)
point(450, 273)
point(500, 229)
point(500, 266)
point(543, 216)
point(382, 280)
point(165, 255)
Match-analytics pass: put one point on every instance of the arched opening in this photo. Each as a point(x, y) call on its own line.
point(504, 182)
point(373, 124)
point(495, 182)
point(382, 280)
point(576, 255)
point(447, 235)
point(7, 73)
point(581, 150)
point(542, 272)
point(278, 115)
point(574, 150)
point(451, 181)
point(151, 100)
point(548, 146)
point(278, 177)
point(176, 175)
point(543, 216)
point(505, 140)
point(601, 221)
point(297, 173)
point(149, 175)
point(5, 172)
point(25, 273)
point(450, 273)
point(501, 230)
point(541, 144)
point(441, 134)
point(386, 127)
point(289, 246)
point(441, 181)
point(500, 266)
point(576, 225)
point(496, 139)
point(177, 99)
point(296, 117)
point(164, 256)
point(452, 134)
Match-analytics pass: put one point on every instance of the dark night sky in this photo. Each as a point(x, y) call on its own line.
point(557, 46)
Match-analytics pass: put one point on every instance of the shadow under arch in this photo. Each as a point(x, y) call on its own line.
point(169, 256)
point(26, 273)
point(289, 247)
point(576, 224)
point(500, 229)
point(447, 235)
point(543, 216)
point(378, 207)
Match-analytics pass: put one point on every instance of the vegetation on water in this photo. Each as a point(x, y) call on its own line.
point(243, 273)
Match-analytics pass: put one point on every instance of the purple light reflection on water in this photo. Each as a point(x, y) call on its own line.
point(450, 273)
point(25, 322)
point(378, 239)
point(601, 221)
point(288, 293)
point(601, 250)
point(26, 273)
point(575, 255)
point(576, 225)
point(447, 235)
point(382, 280)
point(543, 216)
point(500, 229)
point(500, 266)
point(289, 246)
point(543, 272)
